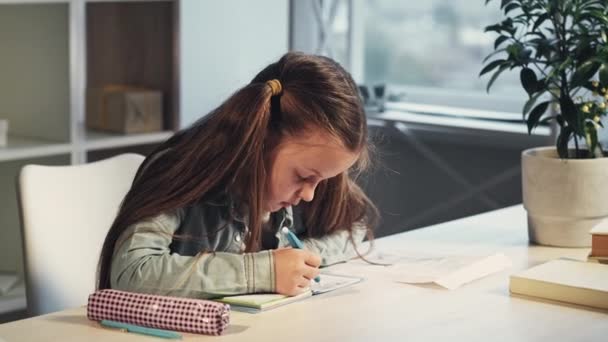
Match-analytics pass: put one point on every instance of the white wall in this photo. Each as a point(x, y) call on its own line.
point(34, 70)
point(223, 44)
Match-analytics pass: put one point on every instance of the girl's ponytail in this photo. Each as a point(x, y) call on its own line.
point(223, 151)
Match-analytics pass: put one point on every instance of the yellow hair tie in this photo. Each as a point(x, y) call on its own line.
point(275, 86)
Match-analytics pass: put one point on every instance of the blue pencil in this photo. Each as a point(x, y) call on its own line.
point(141, 330)
point(295, 243)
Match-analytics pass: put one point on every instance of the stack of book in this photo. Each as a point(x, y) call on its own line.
point(570, 281)
point(564, 280)
point(599, 245)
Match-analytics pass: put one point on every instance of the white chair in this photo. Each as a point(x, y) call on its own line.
point(66, 212)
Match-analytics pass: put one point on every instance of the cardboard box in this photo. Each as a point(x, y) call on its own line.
point(124, 109)
point(3, 132)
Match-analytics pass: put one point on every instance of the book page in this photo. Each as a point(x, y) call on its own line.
point(448, 271)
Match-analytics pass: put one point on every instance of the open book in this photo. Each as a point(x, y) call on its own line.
point(265, 301)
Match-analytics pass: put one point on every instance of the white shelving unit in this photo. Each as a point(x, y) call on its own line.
point(19, 148)
point(101, 140)
point(52, 51)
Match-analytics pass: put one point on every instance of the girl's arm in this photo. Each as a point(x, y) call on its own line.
point(337, 247)
point(333, 248)
point(143, 262)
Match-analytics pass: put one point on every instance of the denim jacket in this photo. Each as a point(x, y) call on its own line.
point(198, 252)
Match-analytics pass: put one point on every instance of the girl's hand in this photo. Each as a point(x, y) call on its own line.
point(294, 269)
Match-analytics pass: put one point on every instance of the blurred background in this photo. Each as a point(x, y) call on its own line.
point(84, 80)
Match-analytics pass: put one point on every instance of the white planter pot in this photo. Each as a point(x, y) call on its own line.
point(564, 198)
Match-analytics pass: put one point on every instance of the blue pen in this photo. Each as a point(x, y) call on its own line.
point(295, 243)
point(141, 330)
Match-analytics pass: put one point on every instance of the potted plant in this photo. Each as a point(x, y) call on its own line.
point(560, 49)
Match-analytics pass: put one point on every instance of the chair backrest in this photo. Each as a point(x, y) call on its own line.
point(66, 212)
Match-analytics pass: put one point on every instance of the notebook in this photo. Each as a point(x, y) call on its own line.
point(265, 301)
point(565, 280)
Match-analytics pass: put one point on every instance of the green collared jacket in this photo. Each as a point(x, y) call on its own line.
point(198, 252)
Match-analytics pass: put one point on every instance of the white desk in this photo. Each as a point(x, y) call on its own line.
point(380, 310)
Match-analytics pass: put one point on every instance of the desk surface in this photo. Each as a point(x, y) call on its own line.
point(378, 309)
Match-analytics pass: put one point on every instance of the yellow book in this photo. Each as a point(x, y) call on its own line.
point(565, 280)
point(601, 260)
point(265, 301)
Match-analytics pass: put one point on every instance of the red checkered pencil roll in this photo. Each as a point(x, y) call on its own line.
point(172, 313)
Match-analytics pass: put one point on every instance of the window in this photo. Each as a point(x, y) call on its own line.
point(431, 52)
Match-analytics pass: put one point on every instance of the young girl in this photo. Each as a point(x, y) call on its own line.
point(204, 213)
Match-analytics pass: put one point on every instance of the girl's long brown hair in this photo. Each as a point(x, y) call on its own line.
point(227, 150)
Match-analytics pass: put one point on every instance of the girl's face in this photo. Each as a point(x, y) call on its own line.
point(297, 166)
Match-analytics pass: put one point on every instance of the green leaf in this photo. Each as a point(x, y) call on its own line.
point(560, 120)
point(501, 39)
point(539, 34)
point(530, 103)
point(552, 6)
point(589, 18)
point(588, 85)
point(543, 49)
point(495, 75)
point(570, 112)
point(524, 55)
point(540, 20)
point(561, 67)
point(601, 17)
point(604, 74)
point(493, 28)
point(536, 114)
point(591, 137)
point(491, 66)
point(511, 7)
point(562, 142)
point(514, 49)
point(585, 50)
point(591, 3)
point(547, 119)
point(584, 73)
point(493, 53)
point(540, 85)
point(503, 3)
point(528, 80)
point(507, 25)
